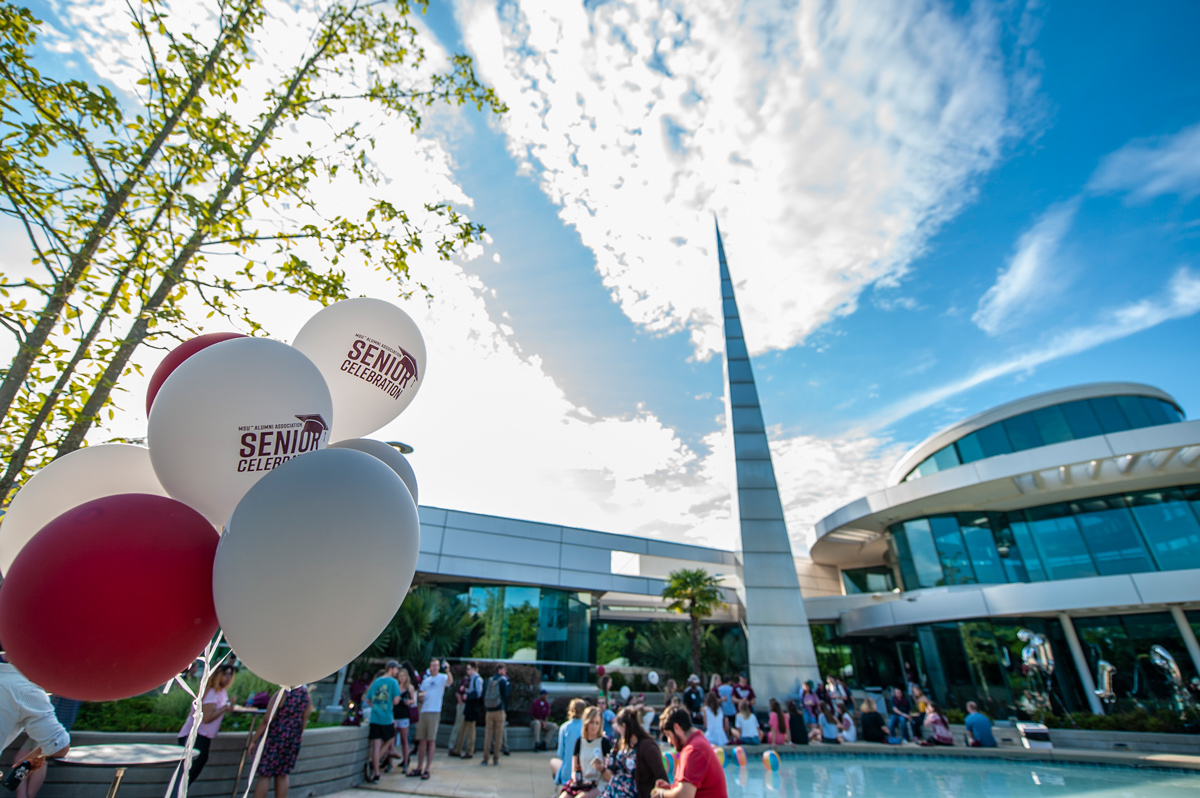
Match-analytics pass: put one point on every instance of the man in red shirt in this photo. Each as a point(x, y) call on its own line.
point(698, 773)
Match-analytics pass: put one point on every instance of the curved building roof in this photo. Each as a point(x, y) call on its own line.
point(951, 434)
point(1137, 459)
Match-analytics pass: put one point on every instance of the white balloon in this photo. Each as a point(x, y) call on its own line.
point(652, 677)
point(314, 563)
point(388, 454)
point(85, 474)
point(373, 357)
point(625, 692)
point(229, 414)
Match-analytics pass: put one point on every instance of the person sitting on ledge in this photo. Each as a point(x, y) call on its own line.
point(979, 728)
point(874, 728)
point(939, 727)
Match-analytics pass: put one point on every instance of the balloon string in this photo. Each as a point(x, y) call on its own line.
point(272, 708)
point(197, 715)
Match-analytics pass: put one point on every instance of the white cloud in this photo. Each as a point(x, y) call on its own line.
point(817, 476)
point(831, 141)
point(493, 431)
point(1150, 168)
point(1180, 299)
point(1030, 278)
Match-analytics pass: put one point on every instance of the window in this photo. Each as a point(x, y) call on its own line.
point(1081, 419)
point(1052, 425)
point(919, 563)
point(1109, 414)
point(956, 567)
point(1134, 408)
point(1023, 556)
point(946, 458)
point(1057, 538)
point(981, 547)
point(1022, 432)
point(969, 448)
point(1169, 526)
point(993, 441)
point(875, 579)
point(1112, 536)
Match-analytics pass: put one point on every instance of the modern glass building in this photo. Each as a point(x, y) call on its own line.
point(1075, 513)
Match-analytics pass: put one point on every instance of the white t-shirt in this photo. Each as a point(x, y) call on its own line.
point(434, 687)
point(25, 707)
point(714, 727)
point(747, 725)
point(849, 732)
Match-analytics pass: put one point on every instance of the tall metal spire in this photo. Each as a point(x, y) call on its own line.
point(782, 655)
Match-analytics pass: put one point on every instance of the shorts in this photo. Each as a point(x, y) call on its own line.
point(427, 726)
point(380, 731)
point(401, 723)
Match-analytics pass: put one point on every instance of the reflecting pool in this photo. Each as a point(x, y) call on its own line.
point(907, 777)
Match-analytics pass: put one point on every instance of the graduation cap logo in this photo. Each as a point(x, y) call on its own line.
point(314, 425)
point(407, 369)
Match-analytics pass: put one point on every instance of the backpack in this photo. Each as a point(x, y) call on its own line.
point(492, 697)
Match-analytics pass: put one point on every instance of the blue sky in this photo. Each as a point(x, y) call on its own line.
point(929, 209)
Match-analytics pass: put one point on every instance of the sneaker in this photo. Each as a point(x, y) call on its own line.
point(504, 751)
point(484, 762)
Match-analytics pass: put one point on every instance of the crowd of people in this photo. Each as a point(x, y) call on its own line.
point(609, 748)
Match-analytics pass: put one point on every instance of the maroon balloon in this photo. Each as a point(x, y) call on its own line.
point(112, 598)
point(180, 354)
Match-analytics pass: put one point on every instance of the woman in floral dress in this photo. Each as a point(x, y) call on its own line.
point(283, 739)
point(635, 764)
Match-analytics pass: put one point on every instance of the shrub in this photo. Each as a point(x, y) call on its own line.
point(159, 712)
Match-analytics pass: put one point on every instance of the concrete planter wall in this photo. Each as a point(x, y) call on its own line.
point(330, 760)
point(1141, 742)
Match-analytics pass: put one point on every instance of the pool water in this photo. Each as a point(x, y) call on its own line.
point(905, 777)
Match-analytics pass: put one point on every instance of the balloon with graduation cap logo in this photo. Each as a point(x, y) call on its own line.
point(230, 414)
point(372, 355)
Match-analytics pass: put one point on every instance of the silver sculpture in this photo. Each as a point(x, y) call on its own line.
point(1163, 660)
point(1038, 657)
point(1104, 677)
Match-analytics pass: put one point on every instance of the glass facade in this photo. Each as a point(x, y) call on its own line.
point(530, 624)
point(1155, 530)
point(980, 660)
point(1125, 641)
point(1083, 418)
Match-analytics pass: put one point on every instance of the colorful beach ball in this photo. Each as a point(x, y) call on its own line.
point(720, 752)
point(740, 754)
point(771, 761)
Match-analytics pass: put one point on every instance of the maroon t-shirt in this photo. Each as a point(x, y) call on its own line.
point(698, 766)
point(743, 693)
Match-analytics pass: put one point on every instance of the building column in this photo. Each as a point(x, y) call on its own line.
point(778, 637)
point(1081, 663)
point(1189, 637)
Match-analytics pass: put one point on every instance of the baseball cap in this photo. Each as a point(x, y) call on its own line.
point(543, 691)
point(391, 663)
point(694, 678)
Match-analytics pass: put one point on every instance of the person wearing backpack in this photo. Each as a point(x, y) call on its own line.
point(472, 714)
point(495, 705)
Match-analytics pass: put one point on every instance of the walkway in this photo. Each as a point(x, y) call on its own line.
point(524, 774)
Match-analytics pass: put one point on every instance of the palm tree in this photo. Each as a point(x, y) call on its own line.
point(429, 623)
point(698, 593)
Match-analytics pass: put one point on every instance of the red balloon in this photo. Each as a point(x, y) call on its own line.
point(599, 670)
point(112, 598)
point(180, 354)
